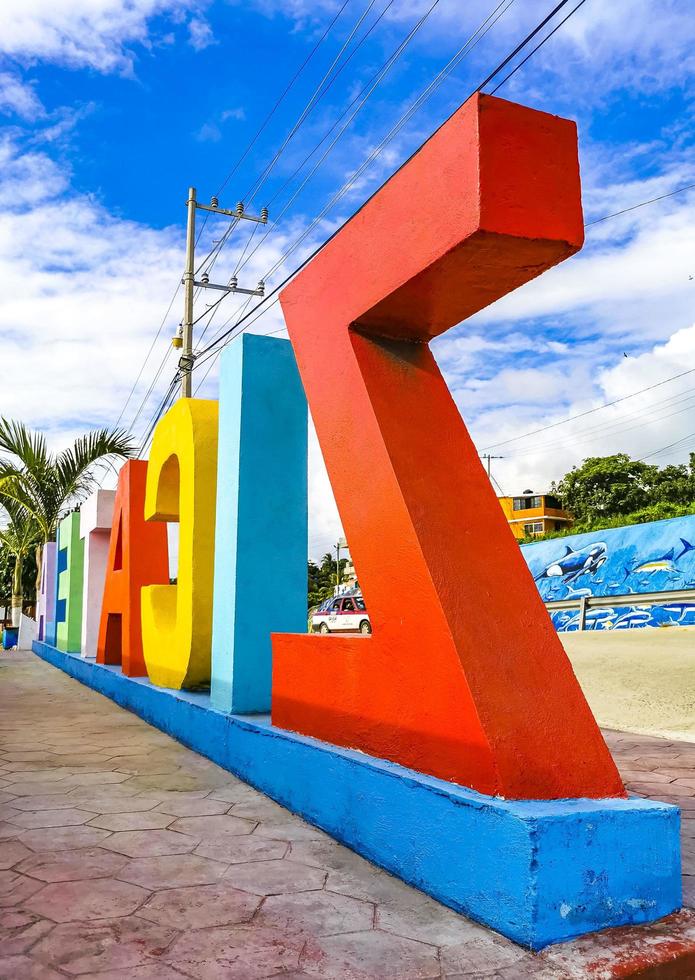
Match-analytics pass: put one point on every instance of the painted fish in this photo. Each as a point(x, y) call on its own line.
point(660, 563)
point(575, 563)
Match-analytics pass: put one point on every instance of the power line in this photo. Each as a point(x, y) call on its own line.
point(215, 251)
point(606, 432)
point(590, 411)
point(473, 39)
point(281, 98)
point(376, 79)
point(220, 340)
point(642, 204)
point(657, 452)
point(315, 98)
point(539, 45)
point(149, 352)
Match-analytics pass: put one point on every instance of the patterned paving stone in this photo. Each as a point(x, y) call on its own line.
point(140, 820)
point(11, 853)
point(204, 807)
point(481, 957)
point(429, 922)
point(261, 808)
point(121, 804)
point(200, 907)
point(294, 829)
point(48, 801)
point(49, 757)
point(62, 838)
point(213, 828)
point(318, 913)
point(74, 901)
point(15, 888)
point(246, 952)
point(374, 885)
point(74, 865)
point(119, 944)
point(19, 930)
point(364, 955)
point(150, 843)
point(329, 855)
point(150, 971)
point(174, 781)
point(136, 765)
point(24, 968)
point(67, 817)
point(8, 830)
point(105, 778)
point(234, 792)
point(275, 877)
point(239, 850)
point(172, 871)
point(21, 788)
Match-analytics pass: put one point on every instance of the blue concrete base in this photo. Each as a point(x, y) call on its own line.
point(537, 871)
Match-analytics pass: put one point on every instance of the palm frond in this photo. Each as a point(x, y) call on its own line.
point(73, 466)
point(27, 446)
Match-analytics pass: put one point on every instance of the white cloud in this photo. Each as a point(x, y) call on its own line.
point(211, 131)
point(200, 35)
point(19, 98)
point(84, 33)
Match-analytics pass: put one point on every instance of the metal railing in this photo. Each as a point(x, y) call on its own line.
point(585, 602)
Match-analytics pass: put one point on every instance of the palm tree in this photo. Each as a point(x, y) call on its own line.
point(18, 537)
point(46, 484)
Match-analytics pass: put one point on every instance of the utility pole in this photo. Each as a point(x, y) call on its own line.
point(489, 459)
point(184, 336)
point(186, 360)
point(490, 477)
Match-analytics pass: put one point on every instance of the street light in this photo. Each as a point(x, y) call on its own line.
point(340, 543)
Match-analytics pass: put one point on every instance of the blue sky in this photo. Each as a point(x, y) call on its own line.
point(110, 110)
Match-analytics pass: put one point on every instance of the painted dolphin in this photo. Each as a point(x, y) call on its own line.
point(661, 563)
point(575, 563)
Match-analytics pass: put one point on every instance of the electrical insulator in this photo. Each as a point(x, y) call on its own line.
point(233, 282)
point(264, 215)
point(214, 202)
point(260, 288)
point(205, 278)
point(240, 208)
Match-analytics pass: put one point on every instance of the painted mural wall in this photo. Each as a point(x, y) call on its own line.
point(655, 557)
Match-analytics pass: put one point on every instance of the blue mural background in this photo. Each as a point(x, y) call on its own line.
point(655, 557)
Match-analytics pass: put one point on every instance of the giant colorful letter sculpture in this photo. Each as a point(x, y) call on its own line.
point(138, 556)
point(70, 580)
point(96, 517)
point(445, 685)
point(181, 475)
point(261, 533)
point(46, 605)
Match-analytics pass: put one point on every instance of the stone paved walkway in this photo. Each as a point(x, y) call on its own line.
point(125, 855)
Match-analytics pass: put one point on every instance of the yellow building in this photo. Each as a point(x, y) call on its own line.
point(532, 513)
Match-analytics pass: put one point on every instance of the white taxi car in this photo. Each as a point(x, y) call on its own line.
point(342, 614)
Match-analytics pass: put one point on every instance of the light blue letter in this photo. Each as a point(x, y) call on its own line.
point(261, 532)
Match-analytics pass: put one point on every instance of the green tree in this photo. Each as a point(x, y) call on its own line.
point(17, 540)
point(321, 579)
point(46, 484)
point(612, 491)
point(607, 486)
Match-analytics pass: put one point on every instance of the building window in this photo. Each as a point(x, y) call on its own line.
point(535, 528)
point(553, 502)
point(526, 503)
